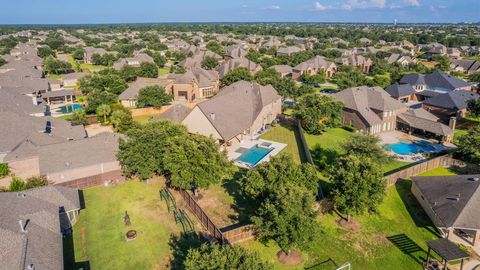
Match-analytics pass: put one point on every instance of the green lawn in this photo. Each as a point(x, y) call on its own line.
point(327, 146)
point(162, 71)
point(440, 171)
point(98, 236)
point(400, 218)
point(142, 119)
point(464, 124)
point(56, 76)
point(289, 135)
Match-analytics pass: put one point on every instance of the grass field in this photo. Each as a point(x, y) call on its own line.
point(327, 146)
point(162, 71)
point(440, 171)
point(392, 239)
point(289, 135)
point(142, 119)
point(464, 124)
point(98, 236)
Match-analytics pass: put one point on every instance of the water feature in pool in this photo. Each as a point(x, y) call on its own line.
point(253, 155)
point(407, 148)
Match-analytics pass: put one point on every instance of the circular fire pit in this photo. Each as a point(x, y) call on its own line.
point(130, 235)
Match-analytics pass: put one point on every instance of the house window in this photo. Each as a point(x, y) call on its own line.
point(207, 92)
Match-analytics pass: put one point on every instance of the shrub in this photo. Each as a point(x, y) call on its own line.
point(36, 181)
point(4, 170)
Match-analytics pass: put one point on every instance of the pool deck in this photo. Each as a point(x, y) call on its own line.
point(233, 154)
point(397, 136)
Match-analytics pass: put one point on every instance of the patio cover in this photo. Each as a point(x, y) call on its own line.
point(447, 249)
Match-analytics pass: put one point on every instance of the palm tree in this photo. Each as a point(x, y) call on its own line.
point(104, 110)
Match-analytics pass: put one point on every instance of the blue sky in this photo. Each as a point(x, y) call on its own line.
point(130, 11)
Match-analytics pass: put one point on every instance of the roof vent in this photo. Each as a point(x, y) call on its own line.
point(474, 179)
point(23, 225)
point(30, 267)
point(212, 116)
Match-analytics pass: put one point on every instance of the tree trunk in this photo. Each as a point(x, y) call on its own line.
point(349, 218)
point(104, 118)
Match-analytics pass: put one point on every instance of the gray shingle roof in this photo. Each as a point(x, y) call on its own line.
point(435, 80)
point(400, 90)
point(421, 120)
point(454, 199)
point(455, 100)
point(132, 91)
point(175, 114)
point(366, 100)
point(202, 77)
point(237, 106)
point(226, 67)
point(41, 244)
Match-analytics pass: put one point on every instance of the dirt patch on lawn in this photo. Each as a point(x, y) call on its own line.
point(293, 258)
point(351, 225)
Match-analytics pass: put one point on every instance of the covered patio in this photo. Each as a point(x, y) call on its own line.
point(447, 250)
point(58, 97)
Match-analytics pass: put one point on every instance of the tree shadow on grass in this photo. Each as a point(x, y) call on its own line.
point(180, 245)
point(69, 255)
point(413, 207)
point(242, 205)
point(408, 246)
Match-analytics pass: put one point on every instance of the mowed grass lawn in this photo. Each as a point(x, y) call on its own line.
point(327, 146)
point(368, 245)
point(289, 135)
point(98, 236)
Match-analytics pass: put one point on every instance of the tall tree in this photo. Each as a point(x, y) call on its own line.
point(349, 77)
point(209, 63)
point(469, 145)
point(103, 111)
point(148, 70)
point(365, 145)
point(121, 120)
point(473, 107)
point(285, 193)
point(358, 184)
point(237, 74)
point(212, 256)
point(155, 96)
point(316, 112)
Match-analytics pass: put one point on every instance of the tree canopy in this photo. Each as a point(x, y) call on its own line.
point(237, 74)
point(365, 145)
point(213, 256)
point(469, 145)
point(148, 70)
point(54, 66)
point(349, 76)
point(316, 112)
point(285, 193)
point(162, 147)
point(209, 63)
point(154, 96)
point(473, 107)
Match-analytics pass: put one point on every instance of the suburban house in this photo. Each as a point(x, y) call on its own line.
point(452, 203)
point(197, 58)
point(402, 92)
point(467, 66)
point(74, 162)
point(437, 82)
point(239, 110)
point(287, 51)
point(128, 98)
point(196, 83)
point(71, 79)
point(372, 110)
point(234, 63)
point(400, 59)
point(450, 104)
point(356, 60)
point(175, 113)
point(33, 224)
point(133, 61)
point(89, 51)
point(284, 70)
point(235, 51)
point(314, 66)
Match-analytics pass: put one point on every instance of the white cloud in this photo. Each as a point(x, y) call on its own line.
point(274, 7)
point(414, 3)
point(356, 4)
point(320, 7)
point(244, 6)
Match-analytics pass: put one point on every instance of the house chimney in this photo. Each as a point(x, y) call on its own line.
point(212, 116)
point(452, 123)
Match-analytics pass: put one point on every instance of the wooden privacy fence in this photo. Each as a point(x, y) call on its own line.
point(240, 234)
point(442, 161)
point(206, 222)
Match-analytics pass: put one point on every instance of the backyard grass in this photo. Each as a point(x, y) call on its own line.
point(163, 71)
point(56, 76)
point(392, 239)
point(464, 124)
point(98, 236)
point(327, 146)
point(440, 171)
point(288, 135)
point(142, 119)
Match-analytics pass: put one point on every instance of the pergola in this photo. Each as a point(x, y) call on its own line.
point(447, 250)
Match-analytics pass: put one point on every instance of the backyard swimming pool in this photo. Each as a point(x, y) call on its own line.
point(253, 155)
point(69, 108)
point(407, 148)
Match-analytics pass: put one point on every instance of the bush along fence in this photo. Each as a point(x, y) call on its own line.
point(442, 161)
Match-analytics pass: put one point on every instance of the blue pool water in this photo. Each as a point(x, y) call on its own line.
point(406, 148)
point(253, 155)
point(70, 108)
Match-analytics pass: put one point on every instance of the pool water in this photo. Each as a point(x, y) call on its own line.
point(70, 108)
point(253, 155)
point(406, 148)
